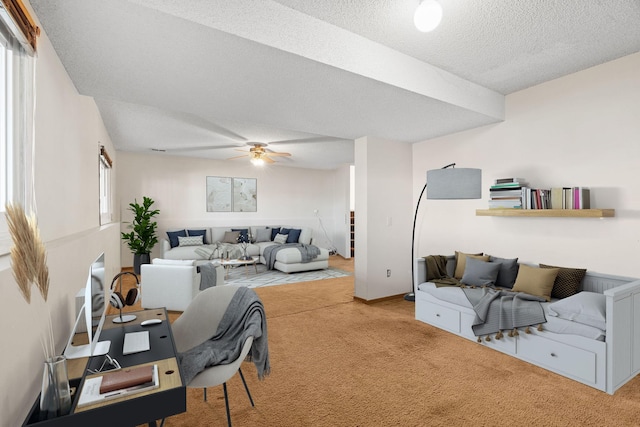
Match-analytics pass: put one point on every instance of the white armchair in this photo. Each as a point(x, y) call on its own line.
point(171, 284)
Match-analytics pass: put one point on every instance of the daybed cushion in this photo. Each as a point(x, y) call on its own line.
point(508, 271)
point(480, 273)
point(231, 237)
point(173, 237)
point(588, 308)
point(535, 281)
point(190, 240)
point(461, 262)
point(199, 232)
point(567, 282)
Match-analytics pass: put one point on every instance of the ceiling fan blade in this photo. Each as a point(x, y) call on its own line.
point(275, 153)
point(208, 147)
point(267, 159)
point(238, 157)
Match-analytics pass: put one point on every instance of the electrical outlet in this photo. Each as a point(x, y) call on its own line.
point(388, 273)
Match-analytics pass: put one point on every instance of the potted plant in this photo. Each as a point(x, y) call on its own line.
point(143, 237)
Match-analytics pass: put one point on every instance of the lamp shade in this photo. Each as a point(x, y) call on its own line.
point(454, 183)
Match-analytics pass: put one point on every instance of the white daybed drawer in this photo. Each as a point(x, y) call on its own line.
point(443, 317)
point(558, 357)
point(506, 344)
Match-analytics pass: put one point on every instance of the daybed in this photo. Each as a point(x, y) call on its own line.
point(597, 345)
point(220, 242)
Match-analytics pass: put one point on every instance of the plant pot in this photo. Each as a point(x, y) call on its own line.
point(138, 260)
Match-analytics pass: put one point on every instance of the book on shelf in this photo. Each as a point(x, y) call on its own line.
point(507, 186)
point(505, 204)
point(556, 198)
point(509, 180)
point(581, 198)
point(510, 193)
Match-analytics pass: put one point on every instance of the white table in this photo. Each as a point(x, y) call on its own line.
point(229, 263)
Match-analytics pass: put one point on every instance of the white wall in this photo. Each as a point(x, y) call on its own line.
point(383, 218)
point(68, 130)
point(579, 130)
point(286, 196)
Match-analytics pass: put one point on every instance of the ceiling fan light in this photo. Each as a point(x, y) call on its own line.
point(257, 161)
point(427, 16)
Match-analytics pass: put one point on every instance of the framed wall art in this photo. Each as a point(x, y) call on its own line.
point(219, 194)
point(245, 195)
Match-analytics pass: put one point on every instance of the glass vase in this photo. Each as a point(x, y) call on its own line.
point(55, 398)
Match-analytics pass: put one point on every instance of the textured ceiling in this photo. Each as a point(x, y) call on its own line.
point(202, 77)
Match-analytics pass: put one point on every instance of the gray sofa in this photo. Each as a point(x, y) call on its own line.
point(220, 242)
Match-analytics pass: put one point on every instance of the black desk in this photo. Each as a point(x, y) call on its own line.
point(146, 407)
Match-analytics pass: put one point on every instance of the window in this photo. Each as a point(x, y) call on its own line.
point(17, 68)
point(105, 187)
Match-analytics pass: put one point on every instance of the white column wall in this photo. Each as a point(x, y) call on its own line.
point(579, 130)
point(68, 131)
point(286, 196)
point(384, 218)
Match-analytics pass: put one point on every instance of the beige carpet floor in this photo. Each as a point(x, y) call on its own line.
point(337, 362)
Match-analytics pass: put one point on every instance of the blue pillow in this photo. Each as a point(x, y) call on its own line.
point(173, 237)
point(508, 271)
point(284, 230)
point(294, 235)
point(244, 234)
point(274, 231)
point(202, 233)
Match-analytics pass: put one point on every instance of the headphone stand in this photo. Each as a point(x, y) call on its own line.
point(127, 317)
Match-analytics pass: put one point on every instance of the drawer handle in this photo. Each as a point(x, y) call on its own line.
point(553, 355)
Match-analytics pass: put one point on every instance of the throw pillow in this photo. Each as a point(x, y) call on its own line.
point(567, 282)
point(535, 281)
point(480, 273)
point(280, 238)
point(588, 308)
point(263, 235)
point(173, 237)
point(230, 237)
point(274, 231)
point(461, 261)
point(294, 235)
point(508, 271)
point(244, 234)
point(190, 241)
point(202, 233)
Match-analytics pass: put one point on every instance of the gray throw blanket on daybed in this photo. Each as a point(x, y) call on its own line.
point(498, 311)
point(243, 318)
point(208, 276)
point(308, 252)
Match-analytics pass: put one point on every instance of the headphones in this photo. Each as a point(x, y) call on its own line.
point(117, 300)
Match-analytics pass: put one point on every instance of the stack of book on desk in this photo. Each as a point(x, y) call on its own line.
point(112, 385)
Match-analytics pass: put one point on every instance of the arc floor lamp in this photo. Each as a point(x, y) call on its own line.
point(445, 183)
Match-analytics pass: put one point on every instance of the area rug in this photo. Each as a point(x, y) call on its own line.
point(241, 276)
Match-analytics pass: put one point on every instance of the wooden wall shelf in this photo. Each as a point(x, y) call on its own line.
point(562, 213)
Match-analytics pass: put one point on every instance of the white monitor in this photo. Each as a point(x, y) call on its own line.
point(92, 315)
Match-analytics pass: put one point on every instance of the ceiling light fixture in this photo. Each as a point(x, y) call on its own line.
point(427, 16)
point(257, 160)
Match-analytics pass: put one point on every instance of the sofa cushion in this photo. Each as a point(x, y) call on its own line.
point(567, 282)
point(244, 234)
point(480, 273)
point(535, 281)
point(274, 231)
point(190, 240)
point(461, 262)
point(231, 237)
point(293, 235)
point(199, 232)
point(280, 238)
point(588, 308)
point(161, 261)
point(262, 235)
point(173, 237)
point(508, 271)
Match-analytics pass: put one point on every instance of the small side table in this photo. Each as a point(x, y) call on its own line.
point(229, 263)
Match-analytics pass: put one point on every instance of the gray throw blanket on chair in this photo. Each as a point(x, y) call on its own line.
point(308, 252)
point(244, 317)
point(498, 311)
point(208, 276)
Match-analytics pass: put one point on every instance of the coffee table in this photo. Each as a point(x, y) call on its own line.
point(230, 263)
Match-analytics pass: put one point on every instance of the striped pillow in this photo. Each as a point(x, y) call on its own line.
point(190, 241)
point(567, 281)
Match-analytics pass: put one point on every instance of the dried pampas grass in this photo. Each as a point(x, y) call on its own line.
point(28, 254)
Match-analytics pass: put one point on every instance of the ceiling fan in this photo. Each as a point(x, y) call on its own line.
point(259, 154)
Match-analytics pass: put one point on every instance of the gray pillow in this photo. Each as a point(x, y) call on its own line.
point(508, 271)
point(588, 308)
point(480, 273)
point(262, 235)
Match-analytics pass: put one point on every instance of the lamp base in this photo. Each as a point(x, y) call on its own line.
point(410, 296)
point(125, 319)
